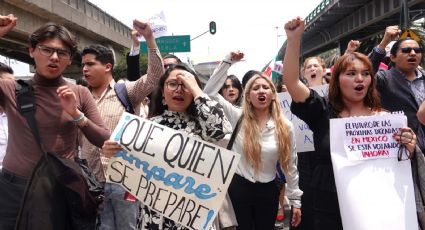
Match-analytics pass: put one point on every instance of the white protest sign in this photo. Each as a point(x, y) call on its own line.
point(368, 138)
point(158, 25)
point(377, 193)
point(180, 176)
point(303, 134)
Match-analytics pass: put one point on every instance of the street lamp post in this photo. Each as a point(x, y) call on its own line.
point(277, 37)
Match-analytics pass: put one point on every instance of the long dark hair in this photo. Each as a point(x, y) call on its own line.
point(236, 84)
point(371, 99)
point(157, 106)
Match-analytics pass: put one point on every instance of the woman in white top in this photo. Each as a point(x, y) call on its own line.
point(264, 138)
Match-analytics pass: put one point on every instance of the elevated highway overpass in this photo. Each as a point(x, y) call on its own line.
point(335, 22)
point(86, 21)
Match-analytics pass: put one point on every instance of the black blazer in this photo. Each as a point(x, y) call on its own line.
point(396, 95)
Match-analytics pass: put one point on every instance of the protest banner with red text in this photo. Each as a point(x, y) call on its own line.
point(375, 189)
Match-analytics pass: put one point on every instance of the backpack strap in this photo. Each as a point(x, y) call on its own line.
point(235, 132)
point(122, 94)
point(25, 101)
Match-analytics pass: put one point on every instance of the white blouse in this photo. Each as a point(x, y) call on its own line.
point(269, 147)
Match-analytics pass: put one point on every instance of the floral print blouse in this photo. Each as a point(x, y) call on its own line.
point(210, 124)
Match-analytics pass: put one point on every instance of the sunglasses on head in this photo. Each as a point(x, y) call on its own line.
point(407, 50)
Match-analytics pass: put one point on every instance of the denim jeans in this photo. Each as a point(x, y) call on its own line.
point(118, 213)
point(11, 192)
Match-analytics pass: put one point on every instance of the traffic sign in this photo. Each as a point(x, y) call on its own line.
point(170, 44)
point(409, 33)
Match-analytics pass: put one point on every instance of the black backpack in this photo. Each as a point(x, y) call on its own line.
point(61, 193)
point(122, 95)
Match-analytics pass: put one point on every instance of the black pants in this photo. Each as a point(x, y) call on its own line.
point(255, 204)
point(326, 211)
point(11, 192)
point(306, 164)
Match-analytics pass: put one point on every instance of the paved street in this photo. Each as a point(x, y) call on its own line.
point(285, 224)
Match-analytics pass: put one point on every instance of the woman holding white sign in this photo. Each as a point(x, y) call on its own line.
point(181, 106)
point(265, 137)
point(352, 92)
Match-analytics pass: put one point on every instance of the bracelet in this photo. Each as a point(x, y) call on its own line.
point(227, 62)
point(81, 117)
point(83, 123)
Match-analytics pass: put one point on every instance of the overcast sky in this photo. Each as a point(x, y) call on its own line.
point(252, 26)
point(246, 25)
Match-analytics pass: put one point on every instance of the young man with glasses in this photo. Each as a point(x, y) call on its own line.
point(62, 111)
point(402, 88)
point(98, 61)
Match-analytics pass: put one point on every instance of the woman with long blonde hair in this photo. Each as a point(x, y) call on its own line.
point(265, 137)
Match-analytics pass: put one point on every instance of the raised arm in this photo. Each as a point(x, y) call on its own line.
point(139, 89)
point(219, 76)
point(291, 74)
point(378, 53)
point(352, 46)
point(7, 23)
point(216, 81)
point(133, 57)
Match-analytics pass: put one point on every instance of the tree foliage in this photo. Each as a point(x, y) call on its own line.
point(120, 68)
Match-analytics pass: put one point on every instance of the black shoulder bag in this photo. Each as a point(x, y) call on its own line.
point(234, 133)
point(122, 94)
point(61, 193)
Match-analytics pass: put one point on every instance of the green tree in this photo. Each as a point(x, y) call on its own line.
point(120, 68)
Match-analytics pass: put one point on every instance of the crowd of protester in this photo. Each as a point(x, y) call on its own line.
point(77, 120)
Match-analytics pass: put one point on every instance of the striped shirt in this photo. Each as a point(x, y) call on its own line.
point(111, 109)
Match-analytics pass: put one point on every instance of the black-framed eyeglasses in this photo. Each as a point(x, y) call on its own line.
point(407, 50)
point(173, 85)
point(402, 153)
point(48, 51)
